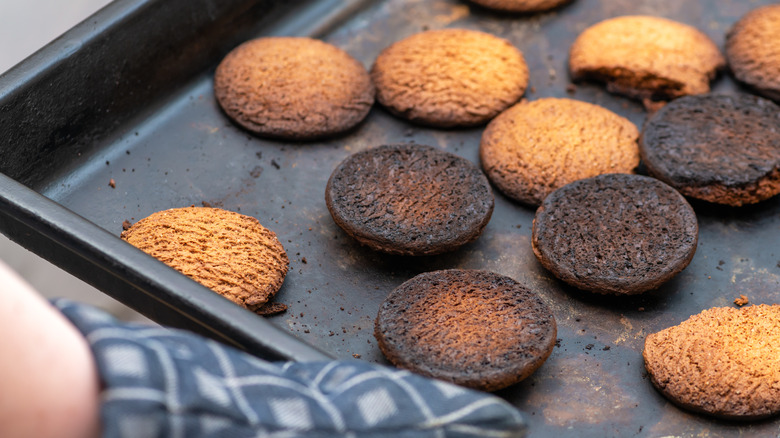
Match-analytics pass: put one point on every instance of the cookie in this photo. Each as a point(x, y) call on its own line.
point(409, 199)
point(722, 362)
point(229, 253)
point(536, 147)
point(718, 148)
point(615, 234)
point(450, 77)
point(647, 58)
point(521, 5)
point(474, 328)
point(293, 88)
point(753, 50)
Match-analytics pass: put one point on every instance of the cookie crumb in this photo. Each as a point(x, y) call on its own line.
point(356, 356)
point(112, 183)
point(741, 301)
point(126, 224)
point(571, 88)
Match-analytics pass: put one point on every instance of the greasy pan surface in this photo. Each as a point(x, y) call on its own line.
point(183, 151)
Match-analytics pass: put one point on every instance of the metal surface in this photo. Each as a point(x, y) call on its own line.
point(166, 144)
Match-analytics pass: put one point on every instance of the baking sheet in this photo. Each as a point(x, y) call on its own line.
point(182, 150)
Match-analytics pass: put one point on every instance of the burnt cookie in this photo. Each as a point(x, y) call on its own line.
point(450, 77)
point(229, 253)
point(521, 5)
point(473, 328)
point(409, 199)
point(722, 362)
point(718, 148)
point(753, 50)
point(536, 147)
point(615, 234)
point(647, 58)
point(293, 88)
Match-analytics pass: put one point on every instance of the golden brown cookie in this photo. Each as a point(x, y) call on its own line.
point(228, 252)
point(521, 5)
point(753, 50)
point(474, 328)
point(648, 58)
point(536, 147)
point(293, 88)
point(449, 77)
point(723, 362)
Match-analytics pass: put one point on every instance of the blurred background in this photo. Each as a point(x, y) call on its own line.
point(25, 27)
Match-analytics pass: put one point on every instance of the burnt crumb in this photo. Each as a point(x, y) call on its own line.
point(128, 152)
point(532, 90)
point(307, 331)
point(721, 263)
point(589, 346)
point(206, 204)
point(778, 263)
point(606, 348)
point(275, 164)
point(256, 172)
point(641, 309)
point(741, 301)
point(259, 154)
point(331, 334)
point(112, 183)
point(408, 133)
point(577, 319)
point(303, 260)
point(571, 88)
point(518, 226)
point(558, 342)
point(107, 162)
point(126, 224)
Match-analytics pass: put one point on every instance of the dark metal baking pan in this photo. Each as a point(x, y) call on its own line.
point(127, 96)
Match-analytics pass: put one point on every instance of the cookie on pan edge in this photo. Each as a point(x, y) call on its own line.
point(615, 234)
point(474, 328)
point(230, 253)
point(723, 362)
point(753, 50)
point(718, 148)
point(409, 199)
point(450, 77)
point(535, 147)
point(293, 88)
point(647, 58)
point(521, 5)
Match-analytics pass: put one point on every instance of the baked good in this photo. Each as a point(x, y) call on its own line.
point(409, 199)
point(449, 77)
point(474, 328)
point(293, 88)
point(535, 147)
point(615, 233)
point(723, 362)
point(719, 148)
point(521, 5)
point(230, 253)
point(753, 50)
point(648, 58)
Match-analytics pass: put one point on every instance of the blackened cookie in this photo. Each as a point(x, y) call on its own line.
point(409, 199)
point(230, 253)
point(615, 233)
point(449, 77)
point(535, 147)
point(718, 148)
point(753, 50)
point(293, 88)
point(473, 328)
point(521, 5)
point(722, 362)
point(648, 58)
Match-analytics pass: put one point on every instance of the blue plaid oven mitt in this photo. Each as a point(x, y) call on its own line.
point(160, 382)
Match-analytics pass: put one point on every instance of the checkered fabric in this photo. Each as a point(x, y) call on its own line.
point(160, 382)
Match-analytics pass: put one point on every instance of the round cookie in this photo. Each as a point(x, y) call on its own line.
point(293, 88)
point(229, 253)
point(724, 362)
point(722, 149)
point(615, 234)
point(409, 199)
point(473, 328)
point(521, 5)
point(647, 58)
point(753, 50)
point(450, 77)
point(536, 147)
